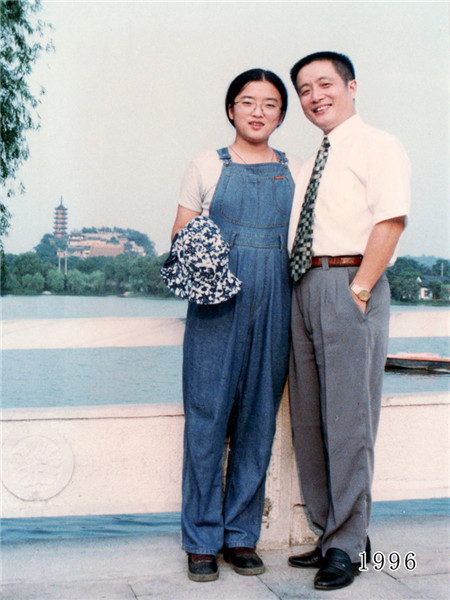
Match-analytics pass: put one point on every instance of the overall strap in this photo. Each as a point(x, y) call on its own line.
point(224, 155)
point(283, 159)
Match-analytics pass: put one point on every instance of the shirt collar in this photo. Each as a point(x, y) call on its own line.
point(345, 129)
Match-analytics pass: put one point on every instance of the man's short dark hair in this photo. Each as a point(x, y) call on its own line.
point(342, 64)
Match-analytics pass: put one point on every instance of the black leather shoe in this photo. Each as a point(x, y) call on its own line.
point(312, 559)
point(337, 571)
point(202, 567)
point(245, 561)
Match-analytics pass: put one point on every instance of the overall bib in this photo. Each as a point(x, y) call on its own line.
point(235, 361)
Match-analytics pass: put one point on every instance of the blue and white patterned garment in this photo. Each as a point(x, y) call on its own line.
point(197, 268)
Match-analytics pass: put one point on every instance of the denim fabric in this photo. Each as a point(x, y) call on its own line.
point(235, 362)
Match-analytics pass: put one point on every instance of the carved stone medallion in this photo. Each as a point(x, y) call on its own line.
point(37, 467)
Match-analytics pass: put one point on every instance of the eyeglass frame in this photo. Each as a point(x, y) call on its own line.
point(254, 104)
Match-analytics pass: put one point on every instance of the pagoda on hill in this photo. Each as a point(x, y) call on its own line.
point(60, 223)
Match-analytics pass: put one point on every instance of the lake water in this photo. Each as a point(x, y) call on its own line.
point(72, 307)
point(99, 376)
point(79, 307)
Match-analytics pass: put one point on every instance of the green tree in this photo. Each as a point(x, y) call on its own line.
point(138, 274)
point(94, 263)
point(140, 239)
point(438, 289)
point(21, 45)
point(4, 275)
point(33, 284)
point(152, 284)
point(402, 278)
point(28, 263)
point(122, 266)
point(76, 282)
point(96, 282)
point(404, 289)
point(12, 285)
point(441, 267)
point(46, 249)
point(55, 281)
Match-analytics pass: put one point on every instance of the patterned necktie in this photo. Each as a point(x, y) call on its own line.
point(301, 255)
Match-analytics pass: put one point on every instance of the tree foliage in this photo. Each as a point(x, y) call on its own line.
point(441, 267)
point(33, 273)
point(404, 279)
point(438, 289)
point(21, 45)
point(47, 249)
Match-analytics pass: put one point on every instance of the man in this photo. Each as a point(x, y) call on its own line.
point(343, 234)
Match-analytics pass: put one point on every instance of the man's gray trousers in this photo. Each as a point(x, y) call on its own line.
point(335, 384)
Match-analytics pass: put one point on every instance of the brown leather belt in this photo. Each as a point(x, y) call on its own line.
point(338, 261)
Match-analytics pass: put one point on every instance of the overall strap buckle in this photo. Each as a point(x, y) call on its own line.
point(225, 156)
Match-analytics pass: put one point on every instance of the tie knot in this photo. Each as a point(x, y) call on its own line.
point(325, 143)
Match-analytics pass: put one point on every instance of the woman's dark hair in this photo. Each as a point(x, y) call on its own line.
point(255, 75)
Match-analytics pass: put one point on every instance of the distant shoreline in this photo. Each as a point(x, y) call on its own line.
point(425, 303)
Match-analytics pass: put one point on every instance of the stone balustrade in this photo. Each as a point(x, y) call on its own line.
point(126, 459)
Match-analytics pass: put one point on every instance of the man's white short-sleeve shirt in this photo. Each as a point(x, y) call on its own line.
point(366, 180)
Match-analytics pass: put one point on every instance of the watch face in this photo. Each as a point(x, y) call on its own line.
point(364, 295)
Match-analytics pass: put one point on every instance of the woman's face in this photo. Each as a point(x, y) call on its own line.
point(256, 111)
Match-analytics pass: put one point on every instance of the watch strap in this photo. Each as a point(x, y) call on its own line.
point(362, 294)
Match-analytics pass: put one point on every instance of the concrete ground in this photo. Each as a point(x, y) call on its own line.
point(141, 567)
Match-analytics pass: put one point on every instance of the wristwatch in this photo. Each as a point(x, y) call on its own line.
point(362, 294)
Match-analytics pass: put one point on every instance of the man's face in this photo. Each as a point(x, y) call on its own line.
point(326, 99)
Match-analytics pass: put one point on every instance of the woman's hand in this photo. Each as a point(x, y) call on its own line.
point(184, 215)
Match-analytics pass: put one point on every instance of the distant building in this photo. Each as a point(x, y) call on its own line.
point(425, 292)
point(60, 223)
point(101, 242)
point(94, 241)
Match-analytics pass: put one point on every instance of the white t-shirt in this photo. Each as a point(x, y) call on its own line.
point(201, 178)
point(366, 180)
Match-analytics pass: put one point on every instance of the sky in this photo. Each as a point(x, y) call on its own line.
point(136, 89)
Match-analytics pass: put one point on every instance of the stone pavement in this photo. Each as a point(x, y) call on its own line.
point(144, 567)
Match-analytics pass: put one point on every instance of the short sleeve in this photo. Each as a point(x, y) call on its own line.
point(388, 186)
point(191, 189)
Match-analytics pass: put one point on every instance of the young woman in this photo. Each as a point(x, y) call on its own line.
point(236, 353)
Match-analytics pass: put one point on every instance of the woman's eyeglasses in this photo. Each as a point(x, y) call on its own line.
point(268, 107)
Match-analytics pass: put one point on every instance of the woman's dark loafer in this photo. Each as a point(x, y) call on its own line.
point(245, 561)
point(202, 567)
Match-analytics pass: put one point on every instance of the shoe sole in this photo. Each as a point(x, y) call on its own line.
point(202, 578)
point(254, 571)
point(337, 587)
point(304, 566)
point(331, 589)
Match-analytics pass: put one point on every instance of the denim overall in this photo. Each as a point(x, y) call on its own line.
point(235, 361)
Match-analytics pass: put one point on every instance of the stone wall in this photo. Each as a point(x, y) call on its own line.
point(126, 459)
